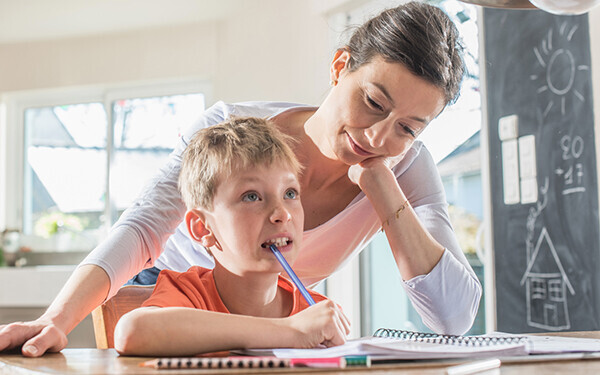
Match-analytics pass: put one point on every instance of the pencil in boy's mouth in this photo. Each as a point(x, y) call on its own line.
point(279, 242)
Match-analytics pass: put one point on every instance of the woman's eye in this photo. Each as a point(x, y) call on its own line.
point(409, 130)
point(250, 197)
point(374, 104)
point(291, 194)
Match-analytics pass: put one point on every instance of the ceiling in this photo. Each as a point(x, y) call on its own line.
point(30, 20)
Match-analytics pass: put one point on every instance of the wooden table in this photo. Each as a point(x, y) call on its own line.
point(96, 361)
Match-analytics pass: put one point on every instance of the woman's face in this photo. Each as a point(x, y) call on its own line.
point(377, 110)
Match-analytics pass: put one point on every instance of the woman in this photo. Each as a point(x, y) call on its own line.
point(363, 172)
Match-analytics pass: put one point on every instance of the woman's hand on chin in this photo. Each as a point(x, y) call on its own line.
point(371, 167)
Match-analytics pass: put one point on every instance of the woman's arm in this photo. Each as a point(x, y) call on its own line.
point(86, 288)
point(164, 331)
point(438, 279)
point(416, 252)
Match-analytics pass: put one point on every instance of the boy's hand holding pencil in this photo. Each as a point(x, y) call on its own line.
point(321, 324)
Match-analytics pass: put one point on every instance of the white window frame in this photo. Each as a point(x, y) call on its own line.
point(12, 142)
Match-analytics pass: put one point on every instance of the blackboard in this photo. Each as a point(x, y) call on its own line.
point(544, 203)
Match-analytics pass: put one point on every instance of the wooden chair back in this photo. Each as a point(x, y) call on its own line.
point(106, 316)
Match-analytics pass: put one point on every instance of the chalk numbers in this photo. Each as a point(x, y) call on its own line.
point(572, 173)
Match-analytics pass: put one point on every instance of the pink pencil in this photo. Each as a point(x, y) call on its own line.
point(334, 362)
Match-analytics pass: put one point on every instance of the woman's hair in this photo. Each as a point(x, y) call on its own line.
point(419, 36)
point(214, 153)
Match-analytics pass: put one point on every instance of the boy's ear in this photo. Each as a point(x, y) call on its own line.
point(338, 65)
point(196, 225)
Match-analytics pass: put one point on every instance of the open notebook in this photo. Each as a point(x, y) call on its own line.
point(401, 344)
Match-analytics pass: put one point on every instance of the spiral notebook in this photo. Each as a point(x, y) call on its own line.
point(401, 344)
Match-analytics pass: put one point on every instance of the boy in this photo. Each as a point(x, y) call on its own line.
point(239, 180)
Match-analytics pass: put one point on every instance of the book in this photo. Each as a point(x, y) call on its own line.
point(409, 345)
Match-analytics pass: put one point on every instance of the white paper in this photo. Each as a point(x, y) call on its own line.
point(527, 159)
point(401, 349)
point(555, 344)
point(529, 190)
point(508, 127)
point(510, 172)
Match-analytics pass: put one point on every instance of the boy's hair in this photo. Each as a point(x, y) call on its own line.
point(214, 152)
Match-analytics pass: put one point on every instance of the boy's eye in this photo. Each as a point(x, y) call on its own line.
point(250, 197)
point(374, 104)
point(291, 194)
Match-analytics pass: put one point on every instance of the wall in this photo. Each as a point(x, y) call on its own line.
point(274, 50)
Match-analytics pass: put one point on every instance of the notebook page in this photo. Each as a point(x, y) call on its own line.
point(400, 349)
point(555, 344)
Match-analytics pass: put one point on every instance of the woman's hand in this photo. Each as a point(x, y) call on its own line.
point(321, 324)
point(371, 167)
point(36, 337)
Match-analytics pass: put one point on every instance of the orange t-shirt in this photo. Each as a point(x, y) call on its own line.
point(196, 288)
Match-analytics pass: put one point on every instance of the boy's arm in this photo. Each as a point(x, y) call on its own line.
point(172, 331)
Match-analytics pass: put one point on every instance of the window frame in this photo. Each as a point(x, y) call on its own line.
point(12, 133)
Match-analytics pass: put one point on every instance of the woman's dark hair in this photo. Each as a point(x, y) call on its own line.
point(419, 36)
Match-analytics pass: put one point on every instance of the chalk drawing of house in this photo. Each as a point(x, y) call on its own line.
point(546, 283)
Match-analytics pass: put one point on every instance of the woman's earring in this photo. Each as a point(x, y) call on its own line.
point(332, 82)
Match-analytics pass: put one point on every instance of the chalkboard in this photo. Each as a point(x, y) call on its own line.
point(542, 171)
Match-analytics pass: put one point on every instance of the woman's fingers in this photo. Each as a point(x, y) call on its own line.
point(36, 338)
point(14, 334)
point(50, 339)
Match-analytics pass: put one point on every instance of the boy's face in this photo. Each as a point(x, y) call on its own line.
point(253, 208)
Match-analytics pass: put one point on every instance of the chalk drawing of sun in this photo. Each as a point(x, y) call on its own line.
point(560, 68)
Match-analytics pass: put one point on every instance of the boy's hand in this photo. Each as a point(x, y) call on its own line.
point(321, 324)
point(36, 337)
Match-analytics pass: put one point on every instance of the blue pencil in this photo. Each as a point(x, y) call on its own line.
point(292, 275)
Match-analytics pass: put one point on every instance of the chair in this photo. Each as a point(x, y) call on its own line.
point(106, 316)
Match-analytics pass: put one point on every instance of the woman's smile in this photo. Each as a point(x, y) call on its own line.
point(356, 148)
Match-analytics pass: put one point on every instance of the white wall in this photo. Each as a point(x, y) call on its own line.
point(276, 50)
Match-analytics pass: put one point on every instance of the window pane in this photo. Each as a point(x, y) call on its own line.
point(65, 171)
point(145, 132)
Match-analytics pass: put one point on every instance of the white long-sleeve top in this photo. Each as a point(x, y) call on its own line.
point(152, 232)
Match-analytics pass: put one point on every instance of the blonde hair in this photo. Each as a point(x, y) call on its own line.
point(214, 152)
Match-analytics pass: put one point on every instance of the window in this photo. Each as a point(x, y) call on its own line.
point(85, 161)
point(556, 290)
point(538, 289)
point(65, 169)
